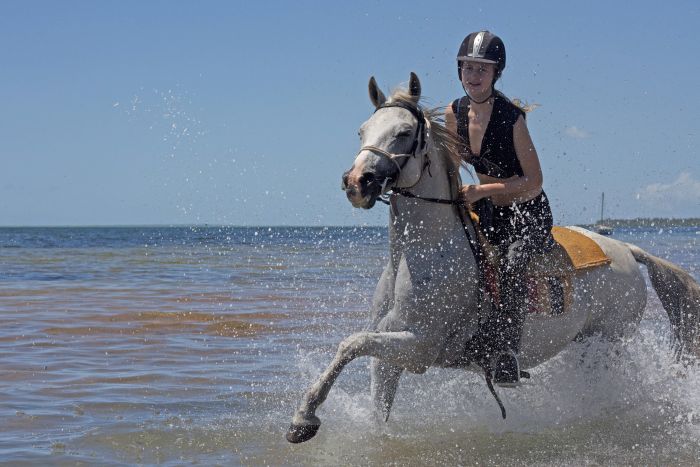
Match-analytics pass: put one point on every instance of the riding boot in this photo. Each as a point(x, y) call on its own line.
point(510, 320)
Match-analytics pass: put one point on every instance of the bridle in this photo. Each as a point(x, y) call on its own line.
point(418, 148)
point(420, 138)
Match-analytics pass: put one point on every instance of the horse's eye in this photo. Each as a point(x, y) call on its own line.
point(403, 133)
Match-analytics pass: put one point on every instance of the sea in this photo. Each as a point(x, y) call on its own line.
point(192, 345)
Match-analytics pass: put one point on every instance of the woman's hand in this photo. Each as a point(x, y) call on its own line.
point(469, 194)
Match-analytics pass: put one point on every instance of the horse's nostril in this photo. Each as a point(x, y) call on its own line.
point(367, 178)
point(344, 182)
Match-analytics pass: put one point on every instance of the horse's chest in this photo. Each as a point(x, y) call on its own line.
point(441, 268)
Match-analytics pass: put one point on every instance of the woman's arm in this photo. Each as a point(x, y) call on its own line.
point(531, 180)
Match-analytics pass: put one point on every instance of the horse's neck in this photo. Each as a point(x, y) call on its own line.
point(418, 220)
point(435, 182)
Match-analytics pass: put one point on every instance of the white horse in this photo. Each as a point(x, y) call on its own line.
point(425, 307)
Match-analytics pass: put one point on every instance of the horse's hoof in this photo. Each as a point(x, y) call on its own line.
point(301, 433)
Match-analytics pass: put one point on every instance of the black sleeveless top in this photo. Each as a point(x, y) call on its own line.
point(497, 158)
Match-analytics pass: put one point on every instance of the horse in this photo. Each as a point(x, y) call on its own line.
point(426, 306)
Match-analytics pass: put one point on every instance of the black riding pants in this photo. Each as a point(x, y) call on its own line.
point(519, 231)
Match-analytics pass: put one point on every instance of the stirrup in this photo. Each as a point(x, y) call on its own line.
point(506, 370)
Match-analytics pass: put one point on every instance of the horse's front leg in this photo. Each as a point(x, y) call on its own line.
point(401, 349)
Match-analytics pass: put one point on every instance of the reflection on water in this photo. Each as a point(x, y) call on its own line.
point(172, 345)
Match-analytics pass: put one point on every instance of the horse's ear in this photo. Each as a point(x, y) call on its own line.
point(375, 94)
point(414, 86)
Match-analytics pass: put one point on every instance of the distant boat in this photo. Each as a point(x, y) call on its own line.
point(601, 228)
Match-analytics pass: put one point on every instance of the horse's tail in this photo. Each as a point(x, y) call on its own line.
point(679, 294)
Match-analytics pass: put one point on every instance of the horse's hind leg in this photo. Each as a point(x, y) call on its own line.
point(385, 381)
point(401, 349)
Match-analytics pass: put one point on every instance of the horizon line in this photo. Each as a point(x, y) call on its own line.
point(260, 226)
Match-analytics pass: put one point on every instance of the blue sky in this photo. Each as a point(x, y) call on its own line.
point(246, 113)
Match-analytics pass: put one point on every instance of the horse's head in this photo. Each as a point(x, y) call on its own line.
point(393, 146)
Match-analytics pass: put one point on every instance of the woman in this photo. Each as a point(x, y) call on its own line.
point(497, 144)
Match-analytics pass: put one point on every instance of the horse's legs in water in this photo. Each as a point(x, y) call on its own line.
point(385, 381)
point(401, 349)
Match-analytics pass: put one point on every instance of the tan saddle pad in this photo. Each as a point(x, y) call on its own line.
point(549, 276)
point(573, 251)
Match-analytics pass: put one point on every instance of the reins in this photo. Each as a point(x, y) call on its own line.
point(408, 194)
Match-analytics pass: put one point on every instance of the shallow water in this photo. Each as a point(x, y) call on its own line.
point(194, 345)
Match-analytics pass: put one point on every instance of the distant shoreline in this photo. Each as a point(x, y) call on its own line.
point(650, 222)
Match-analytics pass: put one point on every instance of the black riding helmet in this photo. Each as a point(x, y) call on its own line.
point(484, 47)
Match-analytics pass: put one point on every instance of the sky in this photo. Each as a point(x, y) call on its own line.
point(246, 113)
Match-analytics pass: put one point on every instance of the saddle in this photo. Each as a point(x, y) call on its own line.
point(549, 275)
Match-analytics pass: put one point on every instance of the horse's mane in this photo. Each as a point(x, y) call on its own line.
point(447, 142)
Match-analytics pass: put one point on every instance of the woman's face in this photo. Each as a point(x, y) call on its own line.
point(478, 77)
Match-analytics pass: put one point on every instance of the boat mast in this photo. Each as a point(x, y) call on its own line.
point(602, 205)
